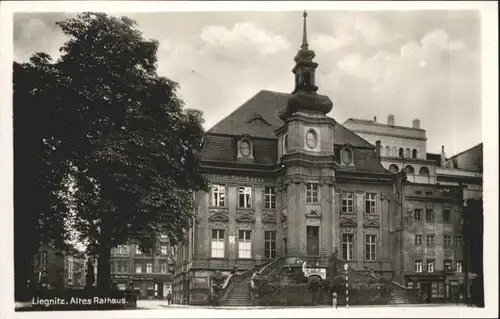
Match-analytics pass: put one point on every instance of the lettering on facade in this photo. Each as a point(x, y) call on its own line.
point(308, 272)
point(234, 178)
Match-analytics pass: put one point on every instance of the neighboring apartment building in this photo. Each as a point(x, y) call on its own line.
point(55, 269)
point(428, 230)
point(149, 274)
point(401, 147)
point(75, 269)
point(48, 268)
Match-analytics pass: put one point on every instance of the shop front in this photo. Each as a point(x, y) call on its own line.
point(430, 288)
point(148, 286)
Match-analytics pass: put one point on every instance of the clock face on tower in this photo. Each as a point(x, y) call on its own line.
point(311, 138)
point(346, 157)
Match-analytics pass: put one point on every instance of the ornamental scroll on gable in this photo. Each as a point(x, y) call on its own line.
point(348, 222)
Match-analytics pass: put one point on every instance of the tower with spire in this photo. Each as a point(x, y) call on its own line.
point(306, 151)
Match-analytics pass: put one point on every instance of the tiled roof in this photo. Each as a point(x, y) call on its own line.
point(258, 117)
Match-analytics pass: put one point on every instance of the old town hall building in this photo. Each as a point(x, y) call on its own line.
point(288, 180)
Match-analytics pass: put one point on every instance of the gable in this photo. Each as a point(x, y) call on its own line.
point(262, 107)
point(258, 118)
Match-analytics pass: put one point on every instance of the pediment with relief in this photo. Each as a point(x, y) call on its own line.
point(269, 218)
point(244, 217)
point(313, 214)
point(371, 223)
point(348, 222)
point(218, 217)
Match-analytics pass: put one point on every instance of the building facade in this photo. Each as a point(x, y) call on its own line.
point(286, 179)
point(428, 235)
point(148, 274)
point(75, 269)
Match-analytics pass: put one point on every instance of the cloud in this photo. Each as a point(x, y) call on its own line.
point(245, 35)
point(370, 63)
point(37, 35)
point(328, 43)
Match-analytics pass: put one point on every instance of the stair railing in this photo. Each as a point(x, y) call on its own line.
point(238, 278)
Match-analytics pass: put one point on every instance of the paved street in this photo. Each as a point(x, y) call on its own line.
point(161, 304)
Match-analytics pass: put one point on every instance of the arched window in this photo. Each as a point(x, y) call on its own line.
point(424, 171)
point(407, 153)
point(401, 152)
point(394, 151)
point(387, 151)
point(393, 168)
point(414, 153)
point(409, 170)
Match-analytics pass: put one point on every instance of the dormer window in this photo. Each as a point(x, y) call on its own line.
point(245, 148)
point(346, 156)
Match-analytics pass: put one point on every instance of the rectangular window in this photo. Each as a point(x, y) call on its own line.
point(459, 241)
point(149, 268)
point(370, 247)
point(446, 215)
point(270, 198)
point(163, 268)
point(164, 249)
point(447, 242)
point(371, 203)
point(429, 265)
point(430, 241)
point(312, 192)
point(245, 197)
point(218, 195)
point(429, 215)
point(418, 240)
point(347, 246)
point(417, 214)
point(447, 265)
point(347, 202)
point(459, 266)
point(270, 244)
point(244, 244)
point(218, 243)
point(417, 266)
point(138, 268)
point(138, 250)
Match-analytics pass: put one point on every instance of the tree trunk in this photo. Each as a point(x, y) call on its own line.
point(104, 268)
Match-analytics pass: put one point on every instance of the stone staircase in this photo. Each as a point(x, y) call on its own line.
point(240, 295)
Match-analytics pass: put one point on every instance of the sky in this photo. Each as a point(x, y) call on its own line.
point(412, 64)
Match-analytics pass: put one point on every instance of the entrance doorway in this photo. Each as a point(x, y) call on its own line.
point(312, 240)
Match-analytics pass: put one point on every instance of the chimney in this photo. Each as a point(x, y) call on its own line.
point(390, 120)
point(375, 119)
point(416, 123)
point(378, 148)
point(443, 156)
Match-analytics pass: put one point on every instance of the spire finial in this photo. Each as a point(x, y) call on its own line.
point(305, 45)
